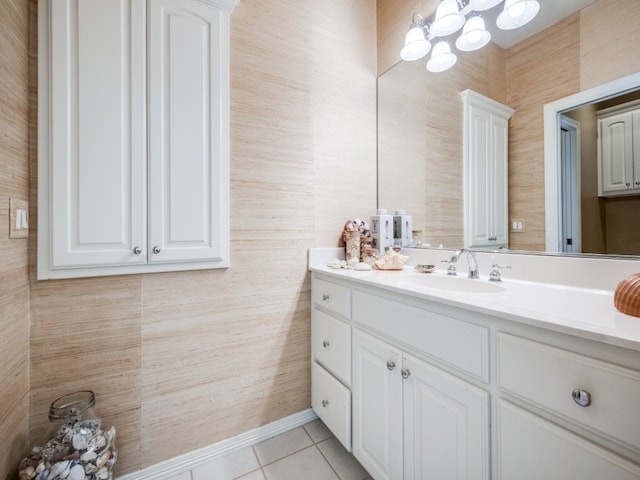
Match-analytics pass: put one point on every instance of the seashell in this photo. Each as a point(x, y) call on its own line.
point(60, 470)
point(76, 473)
point(362, 267)
point(98, 442)
point(103, 458)
point(40, 468)
point(110, 435)
point(90, 468)
point(103, 474)
point(44, 475)
point(81, 439)
point(88, 456)
point(27, 473)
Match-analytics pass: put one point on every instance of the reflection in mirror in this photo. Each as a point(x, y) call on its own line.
point(592, 221)
point(420, 125)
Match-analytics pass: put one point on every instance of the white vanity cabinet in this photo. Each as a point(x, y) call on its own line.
point(331, 357)
point(486, 151)
point(619, 150)
point(411, 418)
point(133, 136)
point(443, 391)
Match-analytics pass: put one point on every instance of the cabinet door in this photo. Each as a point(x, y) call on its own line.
point(446, 425)
point(616, 153)
point(377, 407)
point(92, 133)
point(531, 448)
point(188, 144)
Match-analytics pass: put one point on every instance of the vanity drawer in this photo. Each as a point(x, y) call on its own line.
point(332, 344)
point(332, 403)
point(455, 342)
point(547, 377)
point(334, 298)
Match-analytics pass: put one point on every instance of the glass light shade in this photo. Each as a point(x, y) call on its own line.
point(441, 58)
point(448, 19)
point(517, 13)
point(416, 44)
point(474, 35)
point(481, 5)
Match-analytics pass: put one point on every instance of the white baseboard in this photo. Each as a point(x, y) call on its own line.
point(183, 463)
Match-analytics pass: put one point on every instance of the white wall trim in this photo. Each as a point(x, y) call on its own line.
point(183, 463)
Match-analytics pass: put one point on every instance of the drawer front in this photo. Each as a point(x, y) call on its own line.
point(334, 298)
point(531, 448)
point(547, 376)
point(332, 403)
point(331, 344)
point(455, 342)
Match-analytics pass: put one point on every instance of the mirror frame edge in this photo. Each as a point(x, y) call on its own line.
point(552, 111)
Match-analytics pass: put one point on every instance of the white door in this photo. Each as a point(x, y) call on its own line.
point(96, 141)
point(186, 126)
point(446, 425)
point(531, 448)
point(481, 193)
point(570, 179)
point(377, 407)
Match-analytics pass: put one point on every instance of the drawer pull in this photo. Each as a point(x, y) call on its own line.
point(391, 365)
point(406, 373)
point(325, 297)
point(325, 403)
point(326, 343)
point(581, 397)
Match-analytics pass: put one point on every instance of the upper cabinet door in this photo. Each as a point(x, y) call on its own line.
point(188, 144)
point(92, 132)
point(616, 153)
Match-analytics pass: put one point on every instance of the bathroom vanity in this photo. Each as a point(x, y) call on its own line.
point(430, 376)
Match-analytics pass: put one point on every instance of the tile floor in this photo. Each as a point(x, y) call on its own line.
point(309, 452)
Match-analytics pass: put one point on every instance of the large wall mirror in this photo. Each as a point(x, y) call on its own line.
point(420, 128)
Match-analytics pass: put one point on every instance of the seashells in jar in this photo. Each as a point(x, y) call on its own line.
point(78, 445)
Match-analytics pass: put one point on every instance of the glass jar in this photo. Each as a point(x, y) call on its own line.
point(352, 246)
point(77, 446)
point(370, 256)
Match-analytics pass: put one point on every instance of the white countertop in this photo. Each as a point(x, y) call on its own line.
point(583, 312)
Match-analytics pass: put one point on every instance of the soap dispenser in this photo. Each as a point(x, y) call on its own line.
point(382, 230)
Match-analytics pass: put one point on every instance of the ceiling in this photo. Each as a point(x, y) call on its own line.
point(551, 11)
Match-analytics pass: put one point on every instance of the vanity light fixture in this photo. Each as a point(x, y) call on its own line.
point(451, 16)
point(416, 44)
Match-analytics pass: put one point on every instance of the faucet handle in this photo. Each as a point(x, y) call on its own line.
point(495, 276)
point(451, 270)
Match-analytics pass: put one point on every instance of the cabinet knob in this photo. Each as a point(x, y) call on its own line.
point(325, 403)
point(628, 184)
point(326, 343)
point(581, 397)
point(325, 297)
point(156, 250)
point(406, 373)
point(493, 239)
point(137, 250)
point(638, 183)
point(391, 365)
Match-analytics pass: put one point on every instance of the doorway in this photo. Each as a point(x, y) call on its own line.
point(570, 178)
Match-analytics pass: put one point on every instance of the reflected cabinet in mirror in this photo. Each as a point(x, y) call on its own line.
point(420, 127)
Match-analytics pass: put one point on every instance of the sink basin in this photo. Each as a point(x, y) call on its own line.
point(456, 284)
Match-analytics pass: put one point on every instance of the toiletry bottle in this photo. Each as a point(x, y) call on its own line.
point(382, 230)
point(402, 225)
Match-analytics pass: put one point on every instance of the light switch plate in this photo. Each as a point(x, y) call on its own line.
point(18, 218)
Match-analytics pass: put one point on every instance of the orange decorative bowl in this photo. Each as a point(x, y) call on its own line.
point(626, 298)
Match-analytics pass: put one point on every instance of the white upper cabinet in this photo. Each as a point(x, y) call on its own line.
point(133, 165)
point(619, 150)
point(486, 152)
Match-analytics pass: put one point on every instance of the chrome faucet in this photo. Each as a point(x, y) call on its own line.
point(471, 260)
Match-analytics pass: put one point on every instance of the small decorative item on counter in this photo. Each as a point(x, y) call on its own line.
point(370, 256)
point(424, 268)
point(351, 235)
point(365, 243)
point(626, 297)
point(78, 445)
point(416, 238)
point(391, 261)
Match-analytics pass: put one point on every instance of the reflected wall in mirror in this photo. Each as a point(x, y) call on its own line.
point(420, 129)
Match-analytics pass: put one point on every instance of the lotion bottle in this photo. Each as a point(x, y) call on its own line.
point(402, 226)
point(382, 230)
